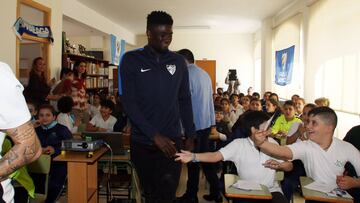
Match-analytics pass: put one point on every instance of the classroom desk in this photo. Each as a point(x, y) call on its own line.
point(237, 193)
point(82, 175)
point(318, 196)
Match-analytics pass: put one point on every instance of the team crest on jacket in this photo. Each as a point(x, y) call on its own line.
point(171, 68)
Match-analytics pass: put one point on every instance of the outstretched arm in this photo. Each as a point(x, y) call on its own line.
point(271, 149)
point(186, 156)
point(26, 149)
point(276, 165)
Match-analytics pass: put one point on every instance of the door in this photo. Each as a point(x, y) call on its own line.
point(210, 67)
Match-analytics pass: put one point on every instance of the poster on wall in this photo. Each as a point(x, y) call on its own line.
point(117, 49)
point(21, 26)
point(284, 63)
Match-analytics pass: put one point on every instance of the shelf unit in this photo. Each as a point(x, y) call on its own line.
point(97, 71)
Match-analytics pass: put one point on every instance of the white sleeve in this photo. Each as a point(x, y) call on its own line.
point(93, 120)
point(298, 150)
point(229, 152)
point(13, 109)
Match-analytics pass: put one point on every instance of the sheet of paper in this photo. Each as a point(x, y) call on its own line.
point(247, 185)
point(294, 127)
point(319, 187)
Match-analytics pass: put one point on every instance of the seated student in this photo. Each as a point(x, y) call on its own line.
point(251, 163)
point(255, 104)
point(245, 102)
point(322, 101)
point(273, 109)
point(33, 112)
point(94, 108)
point(299, 106)
point(284, 122)
point(323, 155)
point(51, 134)
point(65, 117)
point(292, 179)
point(235, 107)
point(103, 122)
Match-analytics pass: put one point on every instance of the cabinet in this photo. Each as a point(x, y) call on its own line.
point(97, 71)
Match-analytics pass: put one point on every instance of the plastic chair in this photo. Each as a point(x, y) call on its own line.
point(39, 171)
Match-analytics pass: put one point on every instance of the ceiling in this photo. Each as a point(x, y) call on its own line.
point(225, 16)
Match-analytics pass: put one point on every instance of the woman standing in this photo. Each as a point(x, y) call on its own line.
point(37, 89)
point(79, 91)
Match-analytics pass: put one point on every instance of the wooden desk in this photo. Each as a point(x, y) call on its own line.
point(237, 193)
point(319, 196)
point(82, 175)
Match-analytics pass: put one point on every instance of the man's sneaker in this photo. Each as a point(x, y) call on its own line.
point(213, 198)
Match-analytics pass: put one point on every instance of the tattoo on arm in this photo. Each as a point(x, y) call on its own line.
point(25, 150)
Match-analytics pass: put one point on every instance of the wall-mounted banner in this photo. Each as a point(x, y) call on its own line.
point(284, 63)
point(21, 26)
point(117, 49)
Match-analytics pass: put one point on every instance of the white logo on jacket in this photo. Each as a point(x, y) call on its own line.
point(171, 68)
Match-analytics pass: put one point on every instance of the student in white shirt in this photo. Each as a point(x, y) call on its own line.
point(15, 122)
point(103, 122)
point(324, 156)
point(65, 117)
point(251, 163)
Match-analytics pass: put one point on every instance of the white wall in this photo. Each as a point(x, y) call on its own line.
point(87, 16)
point(231, 51)
point(8, 38)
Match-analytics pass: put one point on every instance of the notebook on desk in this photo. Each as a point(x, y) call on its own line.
point(111, 138)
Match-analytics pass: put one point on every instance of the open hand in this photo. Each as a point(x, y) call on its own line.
point(271, 163)
point(165, 144)
point(259, 136)
point(184, 156)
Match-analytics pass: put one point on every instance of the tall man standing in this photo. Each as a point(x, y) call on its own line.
point(155, 93)
point(204, 118)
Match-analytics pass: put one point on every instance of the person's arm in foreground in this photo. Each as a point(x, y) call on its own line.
point(271, 149)
point(25, 150)
point(186, 156)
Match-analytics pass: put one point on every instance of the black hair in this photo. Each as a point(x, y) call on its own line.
point(65, 104)
point(47, 106)
point(158, 18)
point(108, 103)
point(187, 54)
point(233, 95)
point(217, 108)
point(326, 114)
point(250, 119)
point(76, 73)
point(65, 71)
point(256, 94)
point(289, 103)
point(275, 103)
point(310, 105)
point(274, 94)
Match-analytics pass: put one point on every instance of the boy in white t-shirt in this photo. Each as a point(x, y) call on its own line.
point(103, 122)
point(251, 163)
point(324, 156)
point(15, 122)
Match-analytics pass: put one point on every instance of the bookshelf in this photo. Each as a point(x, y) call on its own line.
point(97, 71)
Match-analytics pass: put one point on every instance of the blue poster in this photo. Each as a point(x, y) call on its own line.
point(284, 63)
